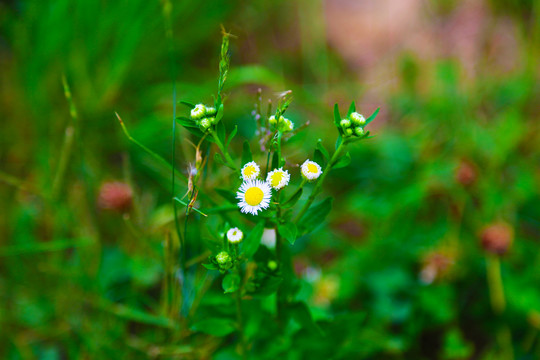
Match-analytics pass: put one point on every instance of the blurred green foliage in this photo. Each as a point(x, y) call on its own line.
point(455, 154)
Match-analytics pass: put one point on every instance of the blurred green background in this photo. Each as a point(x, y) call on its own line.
point(398, 271)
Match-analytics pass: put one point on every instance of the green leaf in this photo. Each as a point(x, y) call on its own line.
point(230, 283)
point(219, 114)
point(231, 136)
point(188, 104)
point(246, 153)
point(343, 161)
point(186, 122)
point(293, 199)
point(318, 157)
point(315, 215)
point(216, 327)
point(299, 311)
point(288, 231)
point(134, 314)
point(322, 149)
point(372, 117)
point(219, 159)
point(339, 141)
point(352, 109)
point(210, 266)
point(220, 130)
point(337, 117)
point(253, 240)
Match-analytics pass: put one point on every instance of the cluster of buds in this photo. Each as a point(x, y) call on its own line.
point(353, 125)
point(204, 116)
point(283, 125)
point(224, 261)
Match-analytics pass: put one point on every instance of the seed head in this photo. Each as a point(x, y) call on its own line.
point(497, 238)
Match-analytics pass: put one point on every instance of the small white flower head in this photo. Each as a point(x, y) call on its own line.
point(253, 196)
point(198, 111)
point(359, 131)
point(285, 125)
point(235, 235)
point(311, 170)
point(250, 171)
point(210, 111)
point(205, 124)
point(278, 178)
point(357, 119)
point(345, 123)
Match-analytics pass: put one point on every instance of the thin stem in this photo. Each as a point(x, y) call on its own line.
point(498, 303)
point(496, 290)
point(280, 297)
point(224, 151)
point(317, 187)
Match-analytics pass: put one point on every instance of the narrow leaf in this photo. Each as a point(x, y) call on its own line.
point(188, 104)
point(322, 149)
point(288, 231)
point(352, 109)
point(315, 216)
point(343, 161)
point(372, 117)
point(253, 240)
point(231, 136)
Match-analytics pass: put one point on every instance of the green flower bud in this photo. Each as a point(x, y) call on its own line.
point(345, 123)
point(198, 111)
point(224, 260)
point(204, 124)
point(213, 120)
point(348, 132)
point(272, 120)
point(272, 265)
point(357, 119)
point(359, 131)
point(285, 125)
point(210, 111)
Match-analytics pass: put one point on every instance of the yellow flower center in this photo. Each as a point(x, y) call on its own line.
point(276, 179)
point(312, 168)
point(249, 171)
point(254, 196)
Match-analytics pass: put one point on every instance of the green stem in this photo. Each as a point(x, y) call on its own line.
point(496, 290)
point(498, 303)
point(317, 187)
point(224, 151)
point(240, 318)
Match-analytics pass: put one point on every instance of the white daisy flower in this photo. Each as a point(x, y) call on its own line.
point(198, 111)
point(278, 178)
point(235, 235)
point(250, 171)
point(253, 196)
point(311, 170)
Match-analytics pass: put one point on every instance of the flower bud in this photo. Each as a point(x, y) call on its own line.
point(272, 120)
point(348, 132)
point(357, 119)
point(213, 120)
point(224, 260)
point(285, 125)
point(345, 123)
point(497, 238)
point(359, 131)
point(272, 265)
point(210, 111)
point(198, 111)
point(205, 124)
